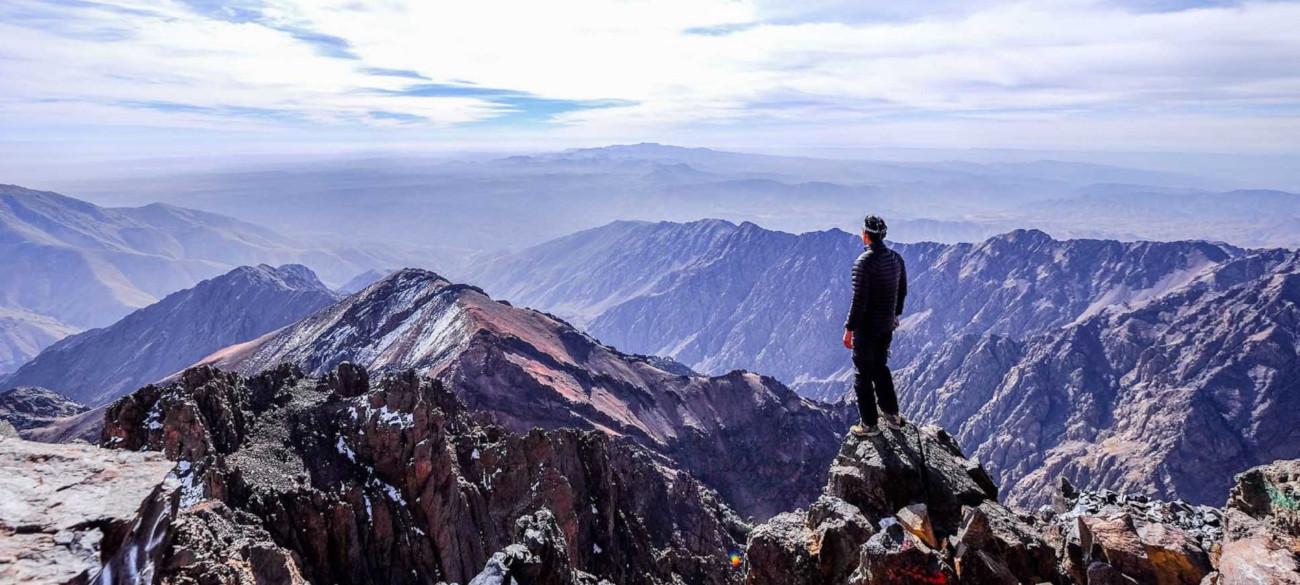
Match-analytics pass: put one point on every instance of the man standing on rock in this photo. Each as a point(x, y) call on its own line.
point(879, 287)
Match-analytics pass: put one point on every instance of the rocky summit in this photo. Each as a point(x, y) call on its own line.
point(284, 478)
point(907, 507)
point(761, 445)
point(903, 507)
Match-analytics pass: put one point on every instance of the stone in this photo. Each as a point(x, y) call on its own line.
point(1262, 527)
point(1102, 573)
point(838, 532)
point(895, 556)
point(1178, 559)
point(916, 520)
point(778, 552)
point(64, 508)
point(995, 540)
point(1114, 541)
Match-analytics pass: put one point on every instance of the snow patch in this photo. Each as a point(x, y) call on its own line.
point(191, 492)
point(345, 450)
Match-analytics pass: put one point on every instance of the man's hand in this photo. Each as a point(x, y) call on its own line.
point(848, 339)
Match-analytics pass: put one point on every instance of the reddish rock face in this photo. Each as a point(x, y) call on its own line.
point(755, 441)
point(1262, 540)
point(348, 479)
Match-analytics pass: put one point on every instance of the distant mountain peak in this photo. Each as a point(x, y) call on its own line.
point(101, 364)
point(1028, 236)
point(28, 407)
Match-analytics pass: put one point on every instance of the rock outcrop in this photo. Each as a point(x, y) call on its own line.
point(759, 444)
point(538, 557)
point(907, 507)
point(1105, 535)
point(349, 479)
point(1262, 527)
point(31, 407)
point(67, 509)
point(904, 507)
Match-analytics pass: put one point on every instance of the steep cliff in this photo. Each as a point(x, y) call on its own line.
point(395, 481)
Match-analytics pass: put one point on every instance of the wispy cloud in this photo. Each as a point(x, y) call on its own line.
point(383, 72)
point(1063, 73)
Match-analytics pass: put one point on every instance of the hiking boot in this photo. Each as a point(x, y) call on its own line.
point(864, 431)
point(894, 421)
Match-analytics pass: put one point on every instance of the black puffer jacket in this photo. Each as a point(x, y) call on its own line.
point(879, 287)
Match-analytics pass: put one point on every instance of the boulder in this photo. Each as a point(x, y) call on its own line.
point(1114, 542)
point(1262, 527)
point(895, 556)
point(1177, 558)
point(838, 532)
point(915, 519)
point(900, 467)
point(778, 552)
point(994, 541)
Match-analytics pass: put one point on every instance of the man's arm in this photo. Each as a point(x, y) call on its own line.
point(860, 293)
point(902, 285)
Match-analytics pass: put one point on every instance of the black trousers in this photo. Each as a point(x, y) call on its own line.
point(874, 383)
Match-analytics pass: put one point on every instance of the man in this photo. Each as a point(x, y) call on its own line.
point(879, 287)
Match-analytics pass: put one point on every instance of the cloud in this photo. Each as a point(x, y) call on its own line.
point(405, 73)
point(1060, 72)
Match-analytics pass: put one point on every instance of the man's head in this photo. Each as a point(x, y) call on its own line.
point(874, 229)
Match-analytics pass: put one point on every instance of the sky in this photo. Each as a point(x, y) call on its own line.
point(251, 76)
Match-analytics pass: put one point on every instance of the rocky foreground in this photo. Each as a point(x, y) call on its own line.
point(284, 478)
point(63, 506)
point(907, 507)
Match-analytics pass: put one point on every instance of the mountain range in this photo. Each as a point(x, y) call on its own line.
point(1171, 398)
point(1017, 337)
point(1075, 358)
point(453, 208)
point(99, 365)
point(719, 296)
point(76, 265)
